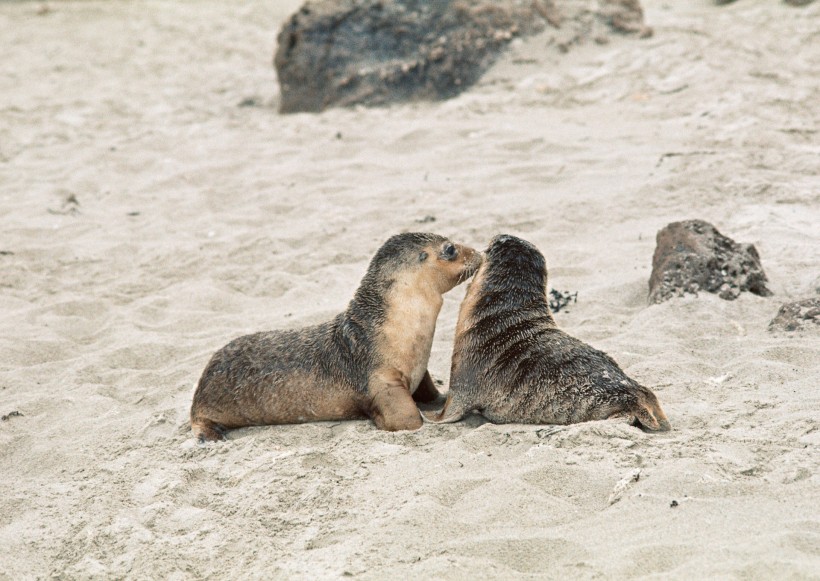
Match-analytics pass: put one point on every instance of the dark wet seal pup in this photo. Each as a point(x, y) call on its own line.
point(511, 363)
point(369, 361)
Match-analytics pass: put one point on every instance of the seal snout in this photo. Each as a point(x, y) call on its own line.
point(470, 264)
point(472, 261)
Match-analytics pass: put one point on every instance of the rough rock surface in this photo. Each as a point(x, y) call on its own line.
point(692, 256)
point(375, 52)
point(797, 315)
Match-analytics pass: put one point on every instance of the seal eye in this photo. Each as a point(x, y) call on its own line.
point(449, 251)
point(422, 256)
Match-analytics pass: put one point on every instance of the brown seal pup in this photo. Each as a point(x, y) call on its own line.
point(369, 361)
point(511, 363)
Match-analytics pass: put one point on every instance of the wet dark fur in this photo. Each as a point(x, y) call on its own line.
point(320, 372)
point(512, 364)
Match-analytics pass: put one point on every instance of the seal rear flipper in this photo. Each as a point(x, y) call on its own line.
point(207, 431)
point(651, 418)
point(449, 413)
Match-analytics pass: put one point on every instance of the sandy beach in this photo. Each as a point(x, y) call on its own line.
point(154, 205)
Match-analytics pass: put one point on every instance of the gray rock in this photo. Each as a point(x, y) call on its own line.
point(797, 316)
point(692, 256)
point(376, 52)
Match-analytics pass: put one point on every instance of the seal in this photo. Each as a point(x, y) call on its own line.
point(511, 363)
point(369, 361)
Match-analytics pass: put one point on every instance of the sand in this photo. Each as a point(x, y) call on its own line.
point(148, 218)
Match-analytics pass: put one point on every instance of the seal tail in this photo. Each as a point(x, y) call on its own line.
point(650, 416)
point(449, 414)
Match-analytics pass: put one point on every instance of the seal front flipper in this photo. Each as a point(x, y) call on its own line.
point(392, 406)
point(449, 414)
point(426, 392)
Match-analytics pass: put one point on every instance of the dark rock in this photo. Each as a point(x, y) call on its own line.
point(692, 256)
point(796, 316)
point(342, 52)
point(376, 52)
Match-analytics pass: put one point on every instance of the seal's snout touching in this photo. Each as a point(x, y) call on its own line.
point(369, 361)
point(472, 261)
point(511, 363)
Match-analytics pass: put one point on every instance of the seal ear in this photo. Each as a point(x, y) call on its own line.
point(422, 256)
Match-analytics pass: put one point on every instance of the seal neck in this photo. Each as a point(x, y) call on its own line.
point(501, 291)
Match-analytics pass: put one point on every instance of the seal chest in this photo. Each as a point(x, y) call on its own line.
point(369, 361)
point(511, 363)
point(410, 326)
